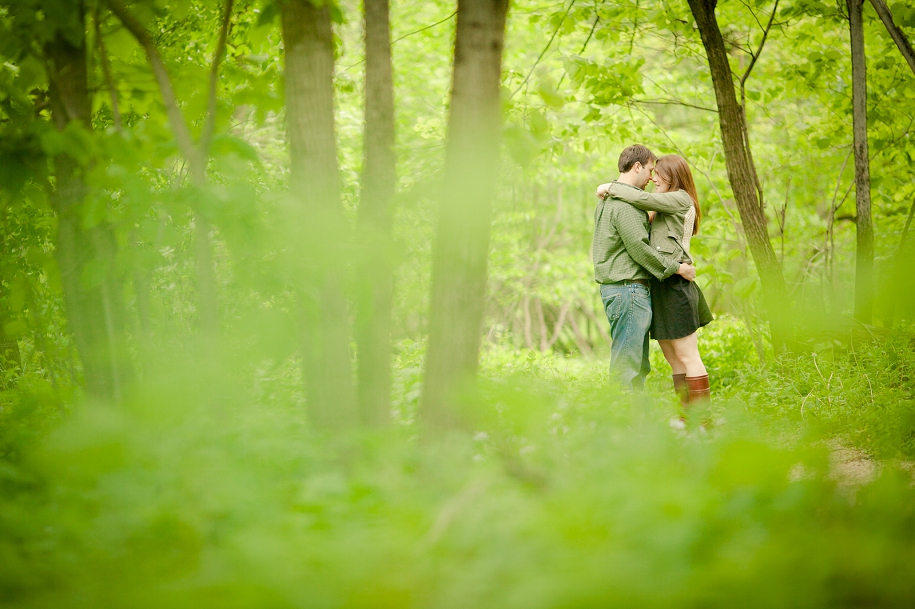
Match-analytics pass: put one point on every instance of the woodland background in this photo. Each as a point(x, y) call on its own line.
point(231, 238)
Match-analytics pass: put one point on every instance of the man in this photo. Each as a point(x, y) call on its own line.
point(623, 264)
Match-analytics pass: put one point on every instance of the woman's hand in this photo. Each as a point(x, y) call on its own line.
point(687, 271)
point(602, 191)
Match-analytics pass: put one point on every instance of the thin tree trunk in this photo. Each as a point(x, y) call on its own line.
point(899, 37)
point(373, 316)
point(864, 259)
point(106, 72)
point(563, 311)
point(94, 312)
point(541, 322)
point(741, 172)
point(315, 180)
point(526, 309)
point(580, 340)
point(461, 246)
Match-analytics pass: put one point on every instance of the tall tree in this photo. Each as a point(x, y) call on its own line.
point(85, 256)
point(459, 258)
point(899, 37)
point(196, 154)
point(373, 318)
point(315, 183)
point(864, 259)
point(741, 171)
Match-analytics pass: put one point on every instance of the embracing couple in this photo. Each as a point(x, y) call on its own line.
point(642, 263)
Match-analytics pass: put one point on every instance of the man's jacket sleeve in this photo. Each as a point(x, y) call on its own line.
point(631, 229)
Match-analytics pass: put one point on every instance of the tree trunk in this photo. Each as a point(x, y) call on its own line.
point(95, 311)
point(462, 238)
point(373, 317)
point(899, 37)
point(315, 181)
point(207, 294)
point(864, 259)
point(741, 172)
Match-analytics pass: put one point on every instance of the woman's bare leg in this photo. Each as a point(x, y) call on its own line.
point(670, 355)
point(686, 351)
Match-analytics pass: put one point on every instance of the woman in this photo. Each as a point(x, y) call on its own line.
point(678, 306)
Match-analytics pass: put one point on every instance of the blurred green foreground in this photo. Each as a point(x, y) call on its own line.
point(209, 489)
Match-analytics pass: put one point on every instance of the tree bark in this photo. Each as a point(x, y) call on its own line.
point(94, 306)
point(864, 259)
point(315, 182)
point(373, 316)
point(461, 246)
point(741, 172)
point(899, 37)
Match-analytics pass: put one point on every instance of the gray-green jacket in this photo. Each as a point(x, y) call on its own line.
point(672, 226)
point(620, 250)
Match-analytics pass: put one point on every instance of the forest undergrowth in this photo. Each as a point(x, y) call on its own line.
point(208, 488)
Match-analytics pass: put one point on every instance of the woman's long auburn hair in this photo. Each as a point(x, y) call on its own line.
point(674, 170)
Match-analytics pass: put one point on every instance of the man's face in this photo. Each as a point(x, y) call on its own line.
point(644, 173)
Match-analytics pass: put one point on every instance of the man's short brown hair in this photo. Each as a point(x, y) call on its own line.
point(635, 154)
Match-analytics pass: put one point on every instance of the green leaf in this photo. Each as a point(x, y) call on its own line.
point(179, 9)
point(31, 73)
point(549, 95)
point(18, 294)
point(268, 15)
point(522, 145)
point(229, 144)
point(745, 287)
point(540, 127)
point(74, 141)
point(15, 328)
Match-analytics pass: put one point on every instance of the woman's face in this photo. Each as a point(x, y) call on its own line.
point(660, 184)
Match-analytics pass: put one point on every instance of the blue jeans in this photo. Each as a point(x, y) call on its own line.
point(628, 309)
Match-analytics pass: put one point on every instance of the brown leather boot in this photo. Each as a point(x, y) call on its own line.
point(681, 389)
point(698, 389)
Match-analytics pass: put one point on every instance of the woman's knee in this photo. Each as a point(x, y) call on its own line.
point(691, 360)
point(686, 351)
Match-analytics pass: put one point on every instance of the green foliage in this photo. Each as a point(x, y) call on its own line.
point(862, 392)
point(197, 492)
point(208, 486)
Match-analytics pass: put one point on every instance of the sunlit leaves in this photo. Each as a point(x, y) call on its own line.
point(609, 82)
